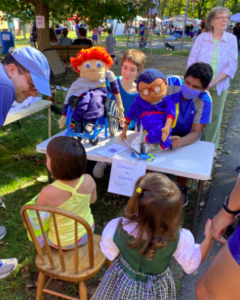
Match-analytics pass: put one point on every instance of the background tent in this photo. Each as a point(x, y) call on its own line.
point(235, 18)
point(179, 20)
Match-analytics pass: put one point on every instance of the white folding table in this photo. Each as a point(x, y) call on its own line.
point(32, 109)
point(192, 161)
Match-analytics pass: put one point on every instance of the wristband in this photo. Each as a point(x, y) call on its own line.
point(229, 210)
point(127, 123)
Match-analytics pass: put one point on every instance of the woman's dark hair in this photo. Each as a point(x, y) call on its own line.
point(202, 71)
point(53, 37)
point(157, 210)
point(64, 32)
point(56, 25)
point(9, 59)
point(68, 158)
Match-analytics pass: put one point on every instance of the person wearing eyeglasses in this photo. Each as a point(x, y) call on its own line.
point(218, 48)
point(23, 72)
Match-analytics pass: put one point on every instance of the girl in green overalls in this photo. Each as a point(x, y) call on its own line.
point(142, 243)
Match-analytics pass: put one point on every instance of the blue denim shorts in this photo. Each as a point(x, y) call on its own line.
point(234, 245)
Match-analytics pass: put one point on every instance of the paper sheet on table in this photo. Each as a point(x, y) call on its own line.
point(124, 175)
point(30, 100)
point(112, 150)
point(17, 107)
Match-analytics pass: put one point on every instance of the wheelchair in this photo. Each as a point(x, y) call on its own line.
point(111, 121)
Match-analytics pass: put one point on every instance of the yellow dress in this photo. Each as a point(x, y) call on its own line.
point(78, 204)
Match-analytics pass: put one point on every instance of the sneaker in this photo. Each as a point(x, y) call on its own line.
point(145, 148)
point(98, 170)
point(88, 128)
point(3, 232)
point(136, 144)
point(7, 266)
point(184, 190)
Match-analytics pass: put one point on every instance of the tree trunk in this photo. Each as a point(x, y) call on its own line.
point(43, 38)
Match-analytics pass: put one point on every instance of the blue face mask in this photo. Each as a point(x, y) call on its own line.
point(189, 93)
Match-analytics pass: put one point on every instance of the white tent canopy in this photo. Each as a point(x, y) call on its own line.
point(158, 20)
point(235, 18)
point(180, 19)
point(198, 21)
point(139, 18)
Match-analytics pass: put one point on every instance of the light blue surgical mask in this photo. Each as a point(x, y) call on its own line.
point(189, 93)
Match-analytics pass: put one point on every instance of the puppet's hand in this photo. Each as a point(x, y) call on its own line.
point(165, 133)
point(61, 121)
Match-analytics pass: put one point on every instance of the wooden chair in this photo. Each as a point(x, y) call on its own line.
point(76, 265)
point(58, 71)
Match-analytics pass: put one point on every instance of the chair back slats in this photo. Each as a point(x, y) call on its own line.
point(76, 249)
point(30, 230)
point(49, 253)
point(59, 244)
point(54, 211)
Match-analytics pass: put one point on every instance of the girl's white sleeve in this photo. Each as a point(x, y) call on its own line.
point(108, 247)
point(188, 254)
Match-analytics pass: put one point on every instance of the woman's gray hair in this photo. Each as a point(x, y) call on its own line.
point(212, 15)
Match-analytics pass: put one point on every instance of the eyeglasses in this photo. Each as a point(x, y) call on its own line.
point(223, 18)
point(30, 82)
point(155, 88)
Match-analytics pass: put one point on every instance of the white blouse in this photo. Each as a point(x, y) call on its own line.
point(188, 254)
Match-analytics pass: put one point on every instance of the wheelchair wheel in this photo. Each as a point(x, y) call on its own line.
point(113, 118)
point(93, 142)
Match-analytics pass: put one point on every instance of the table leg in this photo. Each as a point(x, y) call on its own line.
point(195, 213)
point(49, 122)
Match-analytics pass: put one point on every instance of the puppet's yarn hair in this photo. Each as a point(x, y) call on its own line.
point(150, 75)
point(98, 53)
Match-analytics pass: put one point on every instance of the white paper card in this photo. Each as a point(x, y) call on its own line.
point(40, 21)
point(124, 175)
point(112, 150)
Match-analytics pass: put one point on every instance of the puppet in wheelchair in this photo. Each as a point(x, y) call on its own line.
point(91, 94)
point(155, 113)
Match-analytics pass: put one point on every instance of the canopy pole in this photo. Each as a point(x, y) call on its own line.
point(184, 25)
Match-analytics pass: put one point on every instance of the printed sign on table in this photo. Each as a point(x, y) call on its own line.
point(124, 175)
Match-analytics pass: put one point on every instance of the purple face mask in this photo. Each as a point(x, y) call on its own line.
point(189, 93)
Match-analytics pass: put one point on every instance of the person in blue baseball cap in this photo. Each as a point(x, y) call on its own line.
point(23, 72)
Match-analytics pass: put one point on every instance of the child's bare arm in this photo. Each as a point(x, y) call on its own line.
point(207, 243)
point(124, 132)
point(94, 191)
point(44, 197)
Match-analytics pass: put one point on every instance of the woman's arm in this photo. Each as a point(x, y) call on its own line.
point(194, 53)
point(223, 219)
point(219, 78)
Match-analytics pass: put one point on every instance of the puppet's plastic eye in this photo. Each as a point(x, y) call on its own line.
point(98, 64)
point(145, 92)
point(157, 90)
point(87, 65)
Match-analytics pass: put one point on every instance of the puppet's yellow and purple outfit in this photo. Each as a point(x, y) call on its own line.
point(153, 118)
